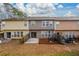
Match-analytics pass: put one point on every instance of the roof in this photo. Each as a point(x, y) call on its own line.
point(42, 18)
point(13, 19)
point(53, 18)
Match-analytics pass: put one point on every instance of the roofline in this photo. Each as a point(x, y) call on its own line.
point(13, 19)
point(52, 18)
point(42, 18)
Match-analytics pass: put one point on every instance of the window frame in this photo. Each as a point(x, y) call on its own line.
point(44, 34)
point(47, 23)
point(32, 22)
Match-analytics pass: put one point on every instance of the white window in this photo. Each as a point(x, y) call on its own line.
point(25, 24)
point(68, 33)
point(56, 24)
point(18, 34)
point(44, 34)
point(21, 34)
point(47, 23)
point(14, 34)
point(44, 23)
point(33, 22)
point(51, 23)
point(3, 24)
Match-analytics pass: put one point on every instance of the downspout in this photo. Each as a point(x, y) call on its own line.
point(53, 26)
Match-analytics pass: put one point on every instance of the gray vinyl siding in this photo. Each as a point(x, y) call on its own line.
point(39, 25)
point(39, 34)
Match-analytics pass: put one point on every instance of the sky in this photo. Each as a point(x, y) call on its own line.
point(48, 9)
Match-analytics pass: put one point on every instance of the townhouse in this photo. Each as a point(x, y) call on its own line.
point(38, 27)
point(14, 28)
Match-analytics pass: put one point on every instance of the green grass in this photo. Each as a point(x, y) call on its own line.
point(74, 53)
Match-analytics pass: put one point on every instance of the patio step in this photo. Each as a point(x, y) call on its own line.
point(32, 40)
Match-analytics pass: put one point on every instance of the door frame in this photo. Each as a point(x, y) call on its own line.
point(7, 35)
point(32, 34)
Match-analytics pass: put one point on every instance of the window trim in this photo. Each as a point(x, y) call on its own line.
point(47, 23)
point(44, 34)
point(18, 34)
point(33, 22)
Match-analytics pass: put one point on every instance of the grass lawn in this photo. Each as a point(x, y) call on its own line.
point(11, 49)
point(72, 53)
point(59, 54)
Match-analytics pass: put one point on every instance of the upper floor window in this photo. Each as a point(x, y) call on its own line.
point(56, 24)
point(33, 22)
point(47, 23)
point(25, 24)
point(3, 24)
point(50, 23)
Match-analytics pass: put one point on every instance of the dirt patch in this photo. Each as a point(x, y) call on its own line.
point(36, 49)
